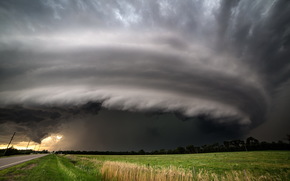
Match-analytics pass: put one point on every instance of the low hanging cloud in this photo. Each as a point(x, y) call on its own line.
point(220, 62)
point(137, 77)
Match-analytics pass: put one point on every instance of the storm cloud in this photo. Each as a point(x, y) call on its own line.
point(216, 65)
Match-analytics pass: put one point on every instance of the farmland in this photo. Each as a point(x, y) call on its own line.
point(260, 165)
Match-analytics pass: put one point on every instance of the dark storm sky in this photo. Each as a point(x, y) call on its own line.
point(125, 75)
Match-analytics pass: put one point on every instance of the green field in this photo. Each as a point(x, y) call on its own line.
point(261, 162)
point(48, 168)
point(260, 165)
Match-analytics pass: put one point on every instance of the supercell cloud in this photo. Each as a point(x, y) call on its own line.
point(177, 71)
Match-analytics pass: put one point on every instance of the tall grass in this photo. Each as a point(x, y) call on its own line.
point(129, 171)
point(122, 171)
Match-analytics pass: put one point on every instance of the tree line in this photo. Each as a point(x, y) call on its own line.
point(250, 144)
point(13, 151)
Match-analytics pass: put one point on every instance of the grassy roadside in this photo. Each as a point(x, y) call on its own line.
point(51, 167)
point(238, 166)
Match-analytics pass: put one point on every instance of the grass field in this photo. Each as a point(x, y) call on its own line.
point(274, 165)
point(260, 165)
point(51, 167)
point(261, 162)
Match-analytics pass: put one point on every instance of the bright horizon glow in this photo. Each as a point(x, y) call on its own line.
point(51, 141)
point(21, 145)
point(46, 144)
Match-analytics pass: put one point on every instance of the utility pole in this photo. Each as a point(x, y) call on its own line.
point(9, 143)
point(27, 144)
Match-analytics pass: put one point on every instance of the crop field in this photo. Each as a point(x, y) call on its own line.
point(260, 165)
point(265, 165)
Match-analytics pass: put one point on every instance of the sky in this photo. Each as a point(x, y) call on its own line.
point(122, 75)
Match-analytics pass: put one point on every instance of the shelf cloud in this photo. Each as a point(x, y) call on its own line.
point(221, 65)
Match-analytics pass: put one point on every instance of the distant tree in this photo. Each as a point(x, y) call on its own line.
point(197, 149)
point(190, 149)
point(170, 151)
point(252, 141)
point(129, 153)
point(253, 144)
point(141, 152)
point(288, 138)
point(215, 147)
point(162, 151)
point(180, 150)
point(12, 151)
point(227, 145)
point(237, 145)
point(222, 148)
point(155, 152)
